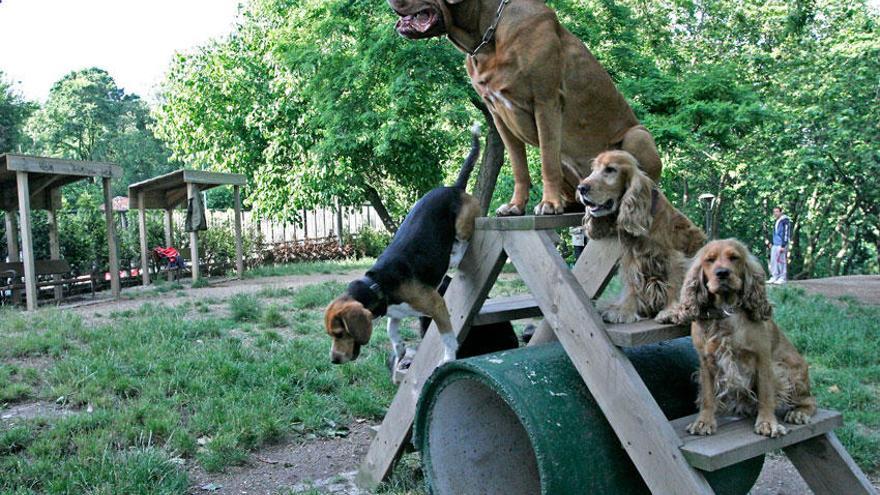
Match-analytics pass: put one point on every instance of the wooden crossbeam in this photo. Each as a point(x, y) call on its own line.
point(828, 468)
point(477, 273)
point(643, 430)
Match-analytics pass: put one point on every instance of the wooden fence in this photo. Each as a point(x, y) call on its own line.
point(319, 223)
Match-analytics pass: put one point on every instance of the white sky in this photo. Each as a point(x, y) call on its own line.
point(133, 40)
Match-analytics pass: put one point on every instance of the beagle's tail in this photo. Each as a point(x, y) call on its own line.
point(471, 160)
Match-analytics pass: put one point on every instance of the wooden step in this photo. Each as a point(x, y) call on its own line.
point(644, 332)
point(522, 306)
point(529, 222)
point(500, 309)
point(736, 440)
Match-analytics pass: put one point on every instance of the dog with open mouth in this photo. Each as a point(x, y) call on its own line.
point(656, 238)
point(542, 87)
point(404, 280)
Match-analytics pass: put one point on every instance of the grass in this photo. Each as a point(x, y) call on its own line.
point(160, 379)
point(310, 268)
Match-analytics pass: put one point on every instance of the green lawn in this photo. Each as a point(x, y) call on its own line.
point(211, 381)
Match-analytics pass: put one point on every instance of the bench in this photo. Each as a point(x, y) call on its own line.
point(49, 273)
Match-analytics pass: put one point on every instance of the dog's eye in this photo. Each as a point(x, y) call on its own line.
point(710, 259)
point(610, 170)
point(734, 257)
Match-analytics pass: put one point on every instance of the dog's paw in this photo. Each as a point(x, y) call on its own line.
point(770, 428)
point(549, 208)
point(703, 427)
point(511, 210)
point(668, 316)
point(797, 417)
point(614, 315)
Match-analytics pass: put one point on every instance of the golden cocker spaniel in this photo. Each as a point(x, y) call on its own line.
point(656, 238)
point(747, 365)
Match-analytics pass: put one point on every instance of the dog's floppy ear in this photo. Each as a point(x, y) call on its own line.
point(635, 207)
point(754, 292)
point(352, 316)
point(694, 294)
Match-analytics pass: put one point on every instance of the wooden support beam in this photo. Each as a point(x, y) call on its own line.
point(192, 190)
point(12, 247)
point(477, 273)
point(142, 230)
point(640, 425)
point(239, 250)
point(27, 239)
point(169, 234)
point(54, 242)
point(115, 287)
point(593, 270)
point(828, 468)
point(530, 222)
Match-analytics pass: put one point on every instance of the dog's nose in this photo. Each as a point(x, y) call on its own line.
point(722, 272)
point(583, 188)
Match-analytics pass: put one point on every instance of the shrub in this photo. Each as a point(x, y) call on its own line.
point(368, 242)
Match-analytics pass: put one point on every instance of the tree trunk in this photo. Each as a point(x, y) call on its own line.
point(376, 201)
point(493, 159)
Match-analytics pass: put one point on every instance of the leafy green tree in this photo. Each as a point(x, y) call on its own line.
point(14, 112)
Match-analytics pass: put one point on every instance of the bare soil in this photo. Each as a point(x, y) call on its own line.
point(865, 288)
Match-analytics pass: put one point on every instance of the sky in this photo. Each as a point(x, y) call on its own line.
point(133, 40)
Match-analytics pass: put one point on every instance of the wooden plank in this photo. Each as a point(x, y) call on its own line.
point(213, 178)
point(593, 270)
point(43, 165)
point(645, 332)
point(169, 230)
point(477, 273)
point(239, 250)
point(112, 247)
point(12, 248)
point(27, 239)
point(529, 222)
point(142, 231)
point(503, 309)
point(192, 190)
point(828, 468)
point(54, 244)
point(736, 440)
point(637, 420)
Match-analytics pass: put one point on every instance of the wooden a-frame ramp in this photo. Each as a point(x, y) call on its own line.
point(665, 455)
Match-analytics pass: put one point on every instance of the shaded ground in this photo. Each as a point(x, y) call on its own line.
point(865, 288)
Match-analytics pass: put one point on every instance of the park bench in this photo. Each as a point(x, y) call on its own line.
point(49, 273)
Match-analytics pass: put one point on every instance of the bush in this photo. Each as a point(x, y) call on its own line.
point(368, 242)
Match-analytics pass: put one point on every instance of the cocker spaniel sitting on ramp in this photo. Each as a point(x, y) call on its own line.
point(656, 238)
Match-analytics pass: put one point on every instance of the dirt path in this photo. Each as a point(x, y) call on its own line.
point(865, 288)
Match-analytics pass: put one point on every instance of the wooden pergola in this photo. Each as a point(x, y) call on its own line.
point(168, 191)
point(32, 182)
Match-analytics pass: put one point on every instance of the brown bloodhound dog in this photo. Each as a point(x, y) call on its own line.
point(543, 88)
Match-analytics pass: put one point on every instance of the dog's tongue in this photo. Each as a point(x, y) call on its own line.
point(420, 22)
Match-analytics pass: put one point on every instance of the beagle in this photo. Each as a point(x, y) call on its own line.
point(403, 282)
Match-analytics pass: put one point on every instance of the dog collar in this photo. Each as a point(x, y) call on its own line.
point(368, 292)
point(490, 32)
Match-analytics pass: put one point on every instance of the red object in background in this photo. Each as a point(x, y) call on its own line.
point(167, 252)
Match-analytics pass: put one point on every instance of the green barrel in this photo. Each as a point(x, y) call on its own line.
point(523, 422)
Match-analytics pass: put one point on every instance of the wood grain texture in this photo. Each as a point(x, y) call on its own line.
point(828, 468)
point(27, 239)
point(477, 273)
point(115, 286)
point(44, 165)
point(637, 420)
point(511, 308)
point(529, 222)
point(737, 441)
point(644, 332)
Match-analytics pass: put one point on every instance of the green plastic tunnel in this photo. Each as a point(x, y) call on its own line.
point(523, 422)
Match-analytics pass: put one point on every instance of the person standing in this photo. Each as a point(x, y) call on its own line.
point(778, 251)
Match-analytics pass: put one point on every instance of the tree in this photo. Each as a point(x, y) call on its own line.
point(14, 112)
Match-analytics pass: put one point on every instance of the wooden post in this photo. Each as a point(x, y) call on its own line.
point(828, 468)
point(338, 221)
point(12, 247)
point(305, 225)
point(640, 425)
point(239, 251)
point(478, 270)
point(27, 239)
point(111, 239)
point(54, 243)
point(192, 190)
point(142, 228)
point(169, 230)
